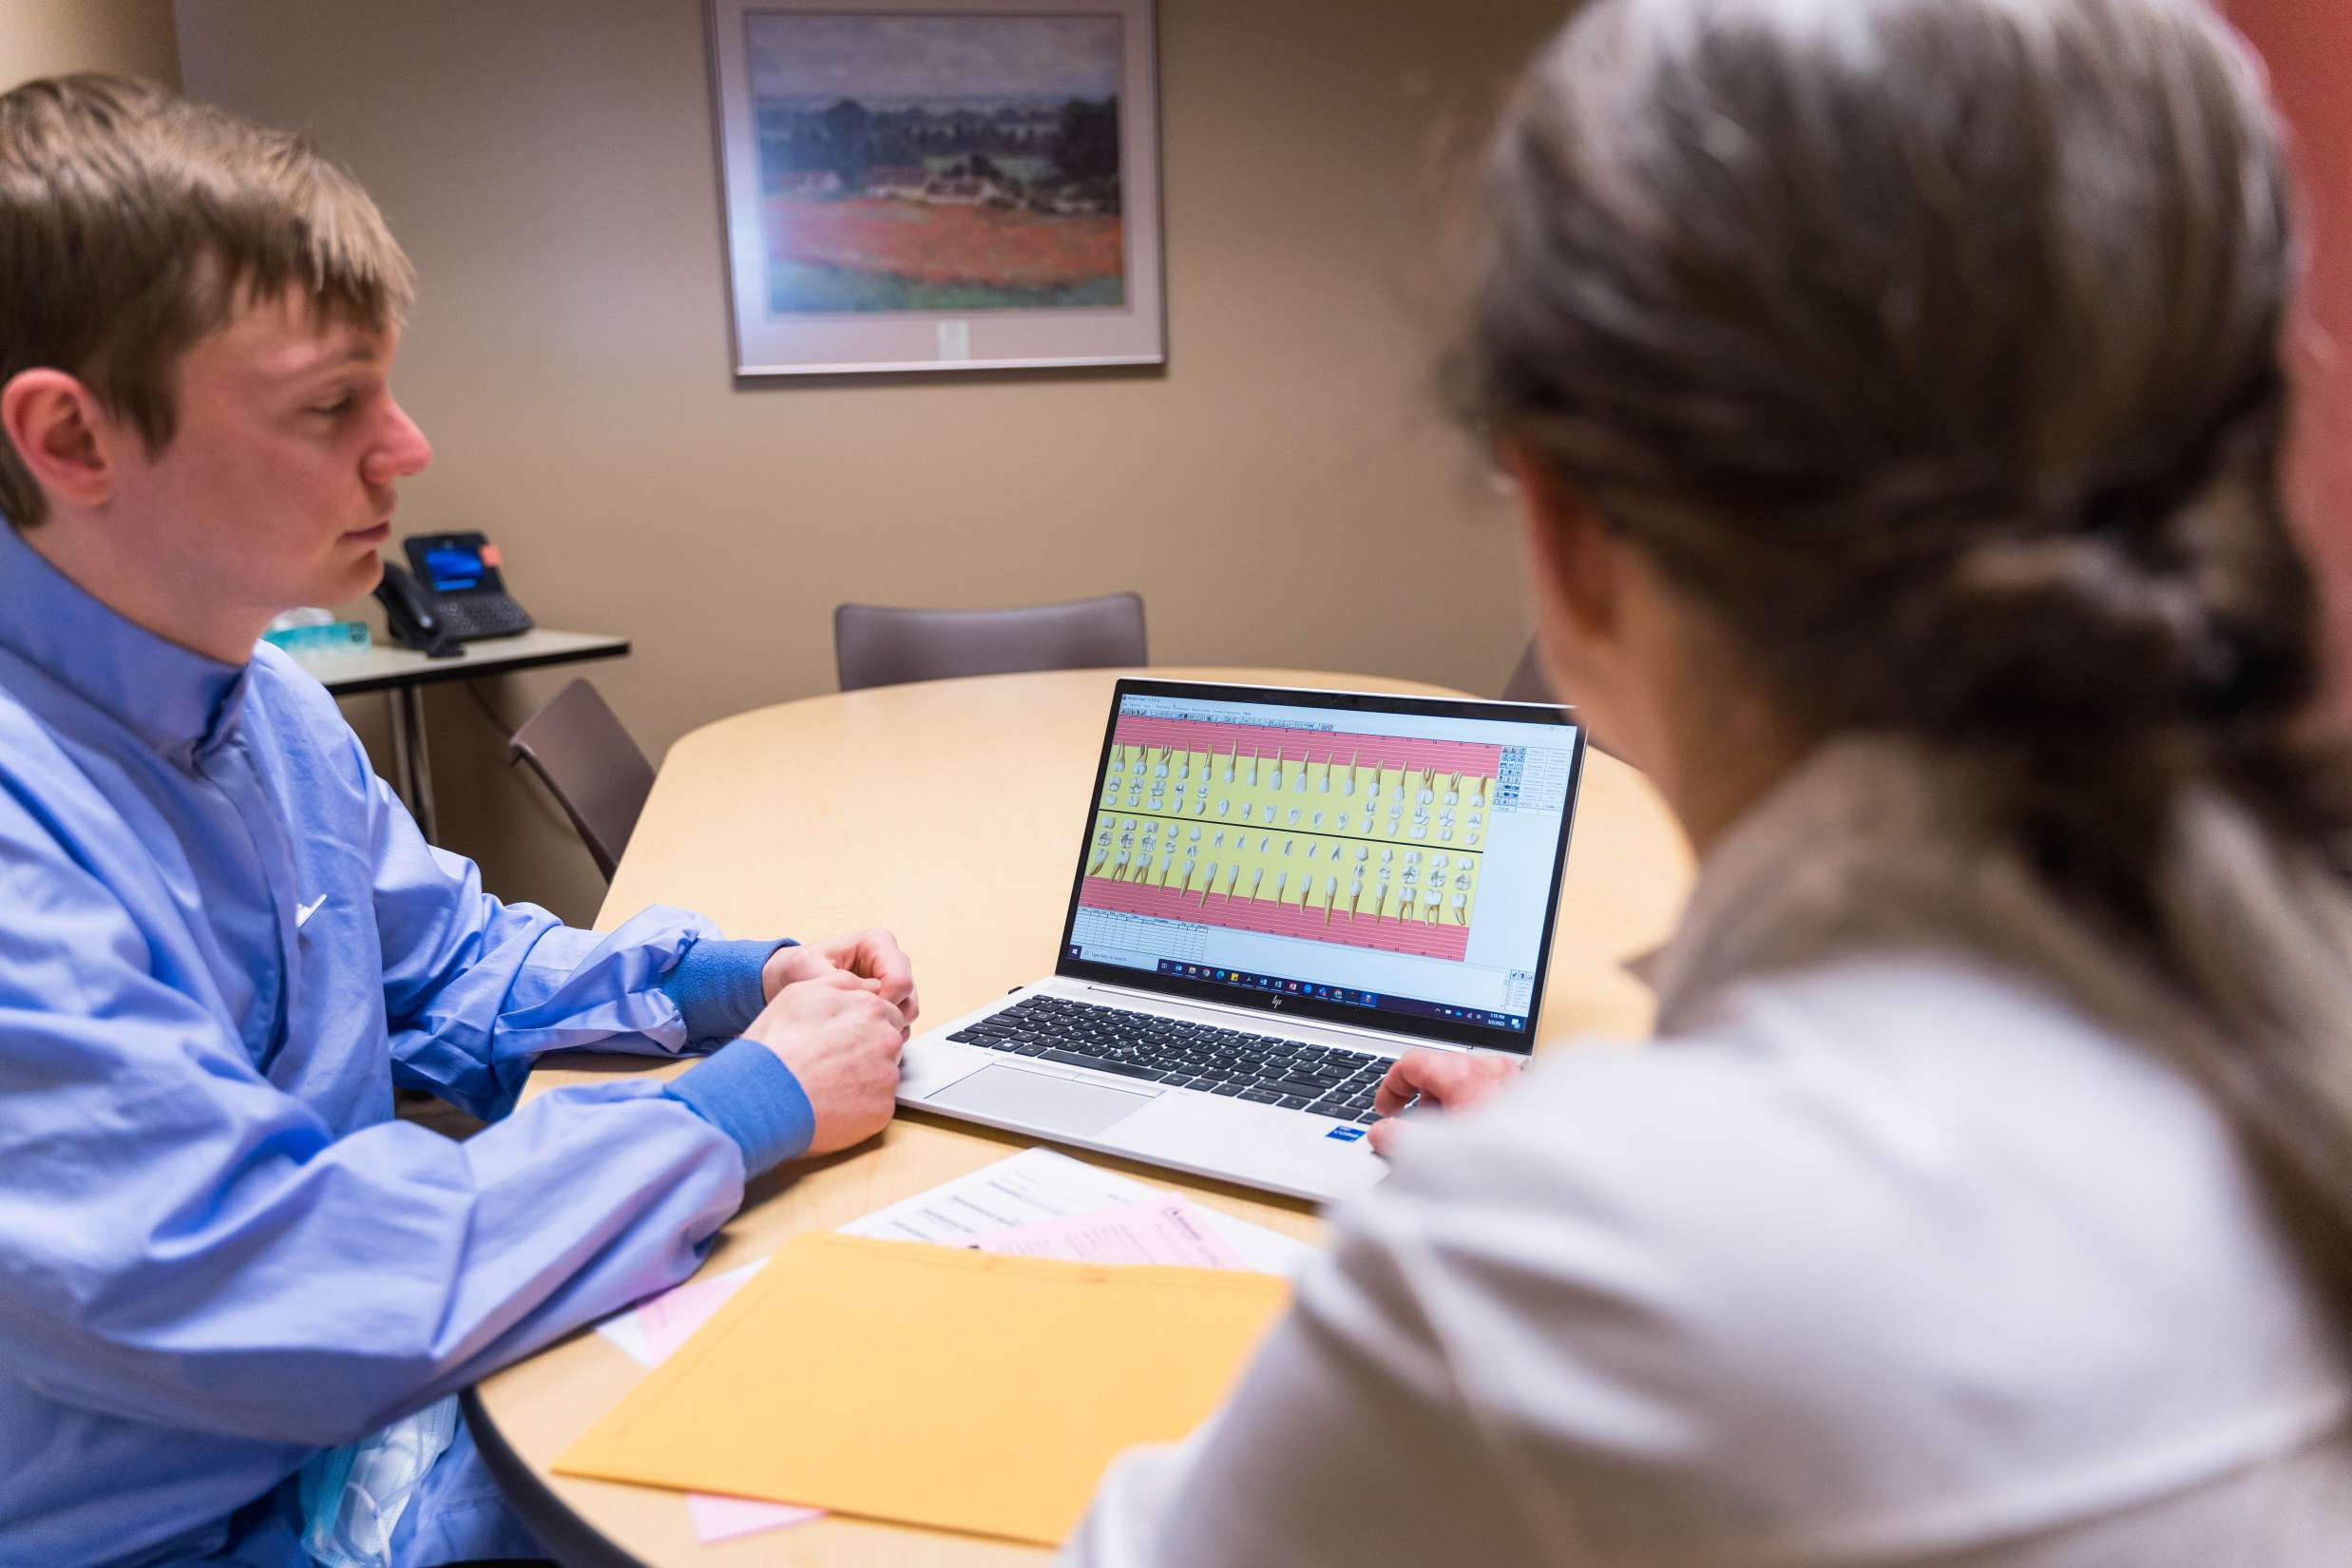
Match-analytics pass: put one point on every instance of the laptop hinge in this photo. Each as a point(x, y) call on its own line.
point(1226, 1015)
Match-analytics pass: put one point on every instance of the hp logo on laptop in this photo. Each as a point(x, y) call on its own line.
point(1277, 1002)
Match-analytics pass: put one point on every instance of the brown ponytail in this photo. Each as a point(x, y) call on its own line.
point(1933, 346)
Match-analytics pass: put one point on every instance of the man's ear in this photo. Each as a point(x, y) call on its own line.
point(1577, 573)
point(60, 434)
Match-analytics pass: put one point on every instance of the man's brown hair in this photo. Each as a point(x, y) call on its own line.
point(132, 223)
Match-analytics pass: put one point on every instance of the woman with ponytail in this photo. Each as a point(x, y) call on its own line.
point(1892, 393)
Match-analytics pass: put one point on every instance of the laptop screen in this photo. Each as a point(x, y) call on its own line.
point(1388, 862)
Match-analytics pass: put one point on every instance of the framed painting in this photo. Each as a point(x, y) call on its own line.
point(939, 185)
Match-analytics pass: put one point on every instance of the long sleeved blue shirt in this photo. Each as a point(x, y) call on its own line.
point(223, 943)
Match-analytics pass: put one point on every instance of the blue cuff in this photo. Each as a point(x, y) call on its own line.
point(717, 987)
point(745, 1091)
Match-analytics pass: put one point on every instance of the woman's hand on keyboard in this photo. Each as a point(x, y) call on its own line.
point(1444, 1079)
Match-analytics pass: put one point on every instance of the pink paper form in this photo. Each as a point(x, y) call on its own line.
point(1167, 1231)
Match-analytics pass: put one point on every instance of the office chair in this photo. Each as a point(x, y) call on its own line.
point(875, 645)
point(582, 753)
point(1528, 682)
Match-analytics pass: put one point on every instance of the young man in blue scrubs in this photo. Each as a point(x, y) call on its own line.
point(236, 1295)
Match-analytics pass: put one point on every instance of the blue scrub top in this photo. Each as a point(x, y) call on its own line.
point(222, 943)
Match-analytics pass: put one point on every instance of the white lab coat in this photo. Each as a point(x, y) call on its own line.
point(1887, 1252)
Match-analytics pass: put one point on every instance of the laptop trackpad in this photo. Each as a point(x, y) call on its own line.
point(1038, 1100)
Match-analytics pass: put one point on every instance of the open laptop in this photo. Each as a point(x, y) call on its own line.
point(1278, 892)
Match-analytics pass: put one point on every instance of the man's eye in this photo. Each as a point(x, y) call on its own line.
point(339, 406)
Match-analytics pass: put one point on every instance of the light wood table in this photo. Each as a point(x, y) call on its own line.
point(948, 812)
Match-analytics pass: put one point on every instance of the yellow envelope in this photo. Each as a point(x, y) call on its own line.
point(933, 1385)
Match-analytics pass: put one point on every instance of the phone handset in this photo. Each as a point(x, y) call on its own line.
point(413, 615)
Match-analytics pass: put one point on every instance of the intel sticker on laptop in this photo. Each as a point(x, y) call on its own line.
point(1346, 1135)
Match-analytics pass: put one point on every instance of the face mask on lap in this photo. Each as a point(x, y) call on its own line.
point(352, 1498)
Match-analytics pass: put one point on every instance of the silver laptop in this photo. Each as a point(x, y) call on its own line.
point(1277, 894)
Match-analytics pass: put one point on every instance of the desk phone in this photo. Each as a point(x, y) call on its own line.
point(457, 576)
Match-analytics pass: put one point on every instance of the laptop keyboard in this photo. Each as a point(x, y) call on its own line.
point(1320, 1080)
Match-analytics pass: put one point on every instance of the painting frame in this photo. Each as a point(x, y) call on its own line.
point(887, 226)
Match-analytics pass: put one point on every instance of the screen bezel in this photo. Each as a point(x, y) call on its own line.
point(1289, 1004)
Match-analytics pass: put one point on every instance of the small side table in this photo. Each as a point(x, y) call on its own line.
point(402, 674)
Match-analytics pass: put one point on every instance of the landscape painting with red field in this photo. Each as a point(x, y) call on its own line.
point(952, 162)
point(882, 253)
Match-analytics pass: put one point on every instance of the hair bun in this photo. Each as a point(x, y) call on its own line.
point(2061, 633)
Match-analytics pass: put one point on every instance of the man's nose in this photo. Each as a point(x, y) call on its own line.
point(403, 451)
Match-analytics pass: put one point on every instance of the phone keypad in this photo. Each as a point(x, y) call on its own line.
point(472, 616)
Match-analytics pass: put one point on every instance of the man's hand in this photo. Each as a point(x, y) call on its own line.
point(870, 956)
point(841, 1040)
point(1448, 1080)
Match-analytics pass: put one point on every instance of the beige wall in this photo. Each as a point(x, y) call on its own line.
point(46, 37)
point(1282, 494)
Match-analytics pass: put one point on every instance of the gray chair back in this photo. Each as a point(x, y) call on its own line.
point(875, 645)
point(1527, 683)
point(580, 749)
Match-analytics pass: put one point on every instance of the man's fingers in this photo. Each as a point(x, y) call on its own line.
point(892, 1011)
point(892, 1015)
point(1385, 1136)
point(875, 955)
point(886, 961)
